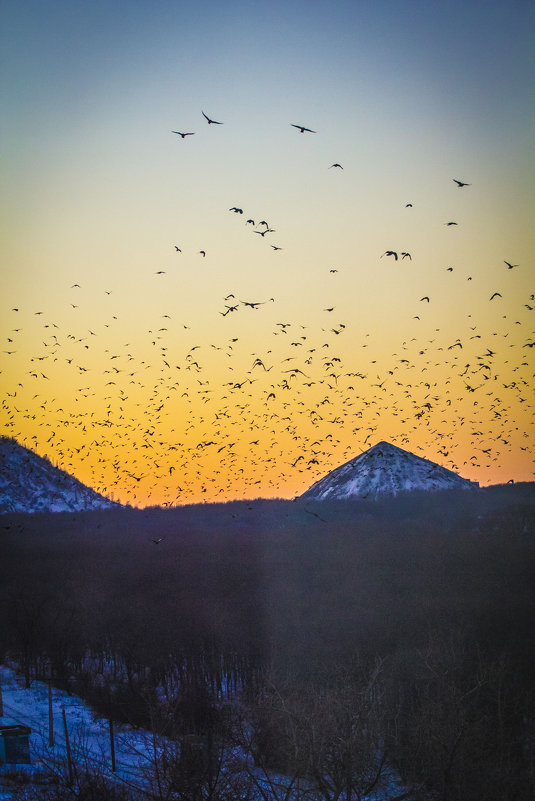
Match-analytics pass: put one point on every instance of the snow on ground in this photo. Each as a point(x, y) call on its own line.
point(135, 749)
point(89, 738)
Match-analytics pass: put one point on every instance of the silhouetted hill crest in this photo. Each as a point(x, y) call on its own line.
point(31, 483)
point(385, 469)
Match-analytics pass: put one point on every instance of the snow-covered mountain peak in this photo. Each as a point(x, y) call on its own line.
point(31, 483)
point(384, 469)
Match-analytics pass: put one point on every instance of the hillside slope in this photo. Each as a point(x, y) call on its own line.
point(30, 483)
point(384, 469)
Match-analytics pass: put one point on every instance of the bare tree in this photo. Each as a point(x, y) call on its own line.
point(461, 732)
point(323, 739)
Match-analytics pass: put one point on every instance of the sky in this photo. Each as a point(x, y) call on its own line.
point(140, 368)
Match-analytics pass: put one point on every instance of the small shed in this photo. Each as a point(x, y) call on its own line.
point(196, 755)
point(14, 744)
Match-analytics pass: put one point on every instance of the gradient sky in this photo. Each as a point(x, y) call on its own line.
point(134, 381)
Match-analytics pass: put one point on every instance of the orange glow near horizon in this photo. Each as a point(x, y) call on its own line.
point(222, 420)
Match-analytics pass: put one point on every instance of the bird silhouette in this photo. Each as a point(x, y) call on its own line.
point(460, 184)
point(336, 165)
point(183, 135)
point(509, 265)
point(209, 121)
point(253, 304)
point(302, 128)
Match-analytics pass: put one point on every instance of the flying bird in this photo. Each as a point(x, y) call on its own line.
point(302, 128)
point(183, 135)
point(460, 184)
point(253, 304)
point(336, 165)
point(209, 121)
point(509, 265)
point(496, 295)
point(390, 253)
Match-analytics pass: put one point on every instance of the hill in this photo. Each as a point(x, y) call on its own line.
point(384, 469)
point(30, 483)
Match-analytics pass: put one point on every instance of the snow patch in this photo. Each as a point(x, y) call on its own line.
point(30, 483)
point(384, 469)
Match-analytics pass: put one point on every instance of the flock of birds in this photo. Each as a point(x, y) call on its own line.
point(171, 418)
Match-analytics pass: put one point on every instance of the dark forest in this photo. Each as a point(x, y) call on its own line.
point(403, 627)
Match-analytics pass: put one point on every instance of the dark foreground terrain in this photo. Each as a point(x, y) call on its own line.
point(350, 636)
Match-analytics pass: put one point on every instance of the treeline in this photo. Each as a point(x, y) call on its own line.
point(354, 639)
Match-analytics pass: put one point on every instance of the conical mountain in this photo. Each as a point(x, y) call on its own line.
point(30, 483)
point(384, 469)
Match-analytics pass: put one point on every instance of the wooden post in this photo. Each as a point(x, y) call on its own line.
point(112, 745)
point(50, 716)
point(69, 759)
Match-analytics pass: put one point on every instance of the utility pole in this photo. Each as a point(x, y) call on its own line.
point(50, 715)
point(68, 745)
point(112, 745)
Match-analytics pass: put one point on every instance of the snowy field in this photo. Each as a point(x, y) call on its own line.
point(136, 751)
point(89, 738)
